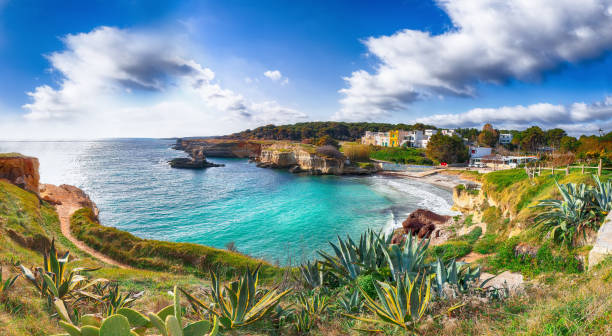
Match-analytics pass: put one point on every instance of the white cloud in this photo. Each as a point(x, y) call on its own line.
point(276, 76)
point(117, 82)
point(492, 41)
point(273, 74)
point(577, 118)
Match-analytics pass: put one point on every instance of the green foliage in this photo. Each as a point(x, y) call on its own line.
point(544, 261)
point(352, 302)
point(326, 140)
point(403, 155)
point(502, 179)
point(350, 260)
point(114, 300)
point(128, 322)
point(486, 244)
point(570, 216)
point(603, 194)
point(451, 250)
point(473, 236)
point(532, 138)
point(488, 137)
point(337, 130)
point(54, 280)
point(366, 283)
point(402, 305)
point(356, 152)
point(407, 259)
point(160, 255)
point(442, 148)
point(458, 276)
point(469, 220)
point(492, 216)
point(312, 274)
point(240, 303)
point(5, 286)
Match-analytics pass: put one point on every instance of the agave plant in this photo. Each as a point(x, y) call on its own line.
point(603, 194)
point(316, 304)
point(113, 300)
point(312, 274)
point(128, 322)
point(303, 322)
point(567, 217)
point(458, 275)
point(54, 280)
point(350, 259)
point(8, 284)
point(402, 305)
point(351, 303)
point(407, 259)
point(346, 263)
point(240, 303)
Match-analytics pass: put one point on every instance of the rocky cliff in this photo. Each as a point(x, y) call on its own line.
point(221, 147)
point(300, 158)
point(20, 170)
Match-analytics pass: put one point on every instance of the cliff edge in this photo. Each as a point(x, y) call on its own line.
point(20, 170)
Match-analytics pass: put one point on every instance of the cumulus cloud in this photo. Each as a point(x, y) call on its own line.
point(276, 76)
point(578, 118)
point(118, 82)
point(491, 41)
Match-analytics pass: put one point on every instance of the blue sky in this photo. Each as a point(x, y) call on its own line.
point(81, 69)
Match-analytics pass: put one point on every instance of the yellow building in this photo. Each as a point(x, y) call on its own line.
point(394, 140)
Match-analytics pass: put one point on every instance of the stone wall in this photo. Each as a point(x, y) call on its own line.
point(603, 244)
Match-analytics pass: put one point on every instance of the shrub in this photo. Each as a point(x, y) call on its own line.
point(330, 152)
point(492, 216)
point(401, 155)
point(451, 250)
point(473, 236)
point(357, 152)
point(326, 140)
point(486, 245)
point(366, 283)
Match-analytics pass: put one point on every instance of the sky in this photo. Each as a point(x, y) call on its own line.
point(103, 69)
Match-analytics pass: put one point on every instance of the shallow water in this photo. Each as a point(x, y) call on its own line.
point(267, 213)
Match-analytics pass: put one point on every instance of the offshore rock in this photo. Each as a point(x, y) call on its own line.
point(187, 163)
point(423, 222)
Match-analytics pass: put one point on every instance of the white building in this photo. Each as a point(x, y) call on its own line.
point(505, 138)
point(430, 132)
point(477, 153)
point(449, 132)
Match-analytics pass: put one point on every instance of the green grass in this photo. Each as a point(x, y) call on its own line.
point(160, 255)
point(487, 244)
point(505, 178)
point(401, 155)
point(451, 250)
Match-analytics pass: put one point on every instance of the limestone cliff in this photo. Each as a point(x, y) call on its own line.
point(20, 170)
point(221, 147)
point(300, 158)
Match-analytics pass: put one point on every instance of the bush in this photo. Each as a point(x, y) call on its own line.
point(451, 250)
point(366, 282)
point(330, 152)
point(492, 216)
point(473, 236)
point(486, 245)
point(356, 152)
point(544, 261)
point(326, 140)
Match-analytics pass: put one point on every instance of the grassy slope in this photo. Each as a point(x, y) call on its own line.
point(160, 255)
point(401, 155)
point(22, 212)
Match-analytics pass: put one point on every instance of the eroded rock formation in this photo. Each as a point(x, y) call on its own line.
point(20, 170)
point(423, 222)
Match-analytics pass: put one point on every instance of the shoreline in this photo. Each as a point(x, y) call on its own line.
point(434, 177)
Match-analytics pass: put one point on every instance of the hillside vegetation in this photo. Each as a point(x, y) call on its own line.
point(340, 294)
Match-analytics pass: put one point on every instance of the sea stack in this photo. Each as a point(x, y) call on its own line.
point(197, 160)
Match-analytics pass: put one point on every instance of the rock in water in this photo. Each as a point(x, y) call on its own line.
point(423, 222)
point(187, 163)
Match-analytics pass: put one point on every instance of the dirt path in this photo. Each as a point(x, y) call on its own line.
point(67, 200)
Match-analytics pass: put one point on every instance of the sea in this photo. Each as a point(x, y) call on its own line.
point(272, 214)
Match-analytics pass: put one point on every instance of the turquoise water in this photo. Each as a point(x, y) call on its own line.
point(266, 213)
